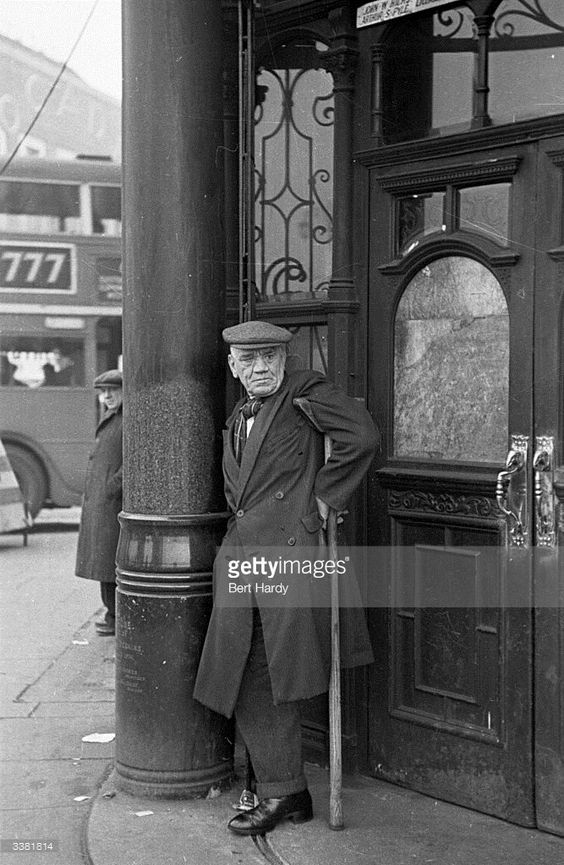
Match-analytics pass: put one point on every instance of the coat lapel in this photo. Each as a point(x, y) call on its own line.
point(260, 428)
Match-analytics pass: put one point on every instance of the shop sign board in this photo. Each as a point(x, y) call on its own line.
point(383, 10)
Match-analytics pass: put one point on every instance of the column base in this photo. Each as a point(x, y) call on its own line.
point(168, 745)
point(173, 785)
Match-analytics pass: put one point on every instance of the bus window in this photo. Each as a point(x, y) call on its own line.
point(108, 271)
point(38, 362)
point(106, 210)
point(108, 344)
point(43, 208)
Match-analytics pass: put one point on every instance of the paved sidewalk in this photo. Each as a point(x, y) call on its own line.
point(385, 825)
point(56, 687)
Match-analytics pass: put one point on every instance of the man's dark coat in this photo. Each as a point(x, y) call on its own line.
point(102, 502)
point(272, 496)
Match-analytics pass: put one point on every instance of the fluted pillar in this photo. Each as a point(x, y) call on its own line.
point(168, 745)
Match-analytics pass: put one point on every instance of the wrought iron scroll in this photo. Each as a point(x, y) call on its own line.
point(293, 194)
point(531, 9)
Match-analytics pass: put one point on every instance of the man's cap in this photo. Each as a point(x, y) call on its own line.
point(111, 378)
point(251, 334)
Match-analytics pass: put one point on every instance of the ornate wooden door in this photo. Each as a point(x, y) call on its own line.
point(465, 375)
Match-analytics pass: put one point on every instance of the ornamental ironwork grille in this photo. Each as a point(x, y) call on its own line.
point(293, 184)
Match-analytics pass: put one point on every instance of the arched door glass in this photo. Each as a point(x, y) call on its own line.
point(451, 364)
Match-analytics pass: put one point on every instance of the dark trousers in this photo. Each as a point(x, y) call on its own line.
point(271, 733)
point(108, 592)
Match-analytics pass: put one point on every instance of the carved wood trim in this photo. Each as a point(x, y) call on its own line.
point(442, 503)
point(435, 480)
point(306, 311)
point(556, 156)
point(471, 172)
point(526, 132)
point(457, 243)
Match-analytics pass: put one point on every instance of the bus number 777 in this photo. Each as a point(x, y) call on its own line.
point(35, 268)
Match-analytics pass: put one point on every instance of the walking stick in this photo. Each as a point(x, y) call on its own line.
point(335, 754)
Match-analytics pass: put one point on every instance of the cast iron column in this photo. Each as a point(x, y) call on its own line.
point(168, 745)
point(341, 61)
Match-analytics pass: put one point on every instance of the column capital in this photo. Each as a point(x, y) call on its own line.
point(342, 58)
point(483, 24)
point(341, 63)
point(377, 52)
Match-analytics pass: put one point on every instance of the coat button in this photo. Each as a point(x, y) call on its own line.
point(240, 513)
point(291, 541)
point(279, 494)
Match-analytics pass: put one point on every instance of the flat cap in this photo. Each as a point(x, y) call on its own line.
point(249, 334)
point(111, 378)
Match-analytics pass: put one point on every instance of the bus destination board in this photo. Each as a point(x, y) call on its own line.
point(41, 267)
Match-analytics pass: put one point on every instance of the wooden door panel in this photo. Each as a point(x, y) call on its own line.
point(460, 665)
point(445, 624)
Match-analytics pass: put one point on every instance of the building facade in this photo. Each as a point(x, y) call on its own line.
point(75, 119)
point(398, 203)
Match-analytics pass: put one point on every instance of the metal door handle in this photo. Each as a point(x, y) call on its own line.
point(511, 491)
point(543, 467)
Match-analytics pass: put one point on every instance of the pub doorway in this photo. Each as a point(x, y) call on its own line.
point(465, 365)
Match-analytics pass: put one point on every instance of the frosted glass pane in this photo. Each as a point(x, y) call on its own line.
point(451, 364)
point(418, 216)
point(485, 209)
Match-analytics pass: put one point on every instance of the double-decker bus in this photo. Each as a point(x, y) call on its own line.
point(60, 317)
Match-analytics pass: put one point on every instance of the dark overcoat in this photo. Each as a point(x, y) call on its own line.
point(273, 499)
point(102, 502)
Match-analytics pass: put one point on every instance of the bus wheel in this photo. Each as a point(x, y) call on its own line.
point(29, 475)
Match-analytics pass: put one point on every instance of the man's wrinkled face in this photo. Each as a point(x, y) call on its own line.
point(112, 397)
point(260, 370)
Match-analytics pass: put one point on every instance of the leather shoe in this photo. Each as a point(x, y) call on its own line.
point(105, 629)
point(269, 812)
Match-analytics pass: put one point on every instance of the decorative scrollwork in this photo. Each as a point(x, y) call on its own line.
point(321, 288)
point(452, 20)
point(288, 269)
point(531, 9)
point(442, 503)
point(321, 233)
point(293, 181)
point(324, 110)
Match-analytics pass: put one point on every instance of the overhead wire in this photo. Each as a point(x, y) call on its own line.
point(58, 77)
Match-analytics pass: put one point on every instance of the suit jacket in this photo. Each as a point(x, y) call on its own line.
point(272, 496)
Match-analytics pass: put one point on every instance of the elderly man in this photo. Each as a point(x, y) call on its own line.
point(258, 661)
point(99, 528)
